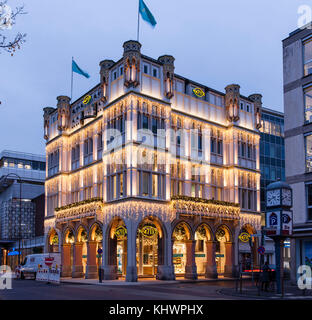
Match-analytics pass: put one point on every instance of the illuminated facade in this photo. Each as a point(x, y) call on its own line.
point(159, 171)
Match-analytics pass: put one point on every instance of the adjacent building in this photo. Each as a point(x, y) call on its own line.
point(297, 54)
point(158, 171)
point(21, 175)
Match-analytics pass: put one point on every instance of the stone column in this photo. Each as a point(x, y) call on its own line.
point(91, 269)
point(190, 268)
point(229, 261)
point(211, 268)
point(165, 269)
point(131, 275)
point(66, 265)
point(77, 271)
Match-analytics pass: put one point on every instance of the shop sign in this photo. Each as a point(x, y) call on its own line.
point(178, 255)
point(87, 99)
point(121, 232)
point(200, 255)
point(244, 237)
point(219, 255)
point(149, 231)
point(199, 92)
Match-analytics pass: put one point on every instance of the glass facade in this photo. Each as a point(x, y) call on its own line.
point(272, 150)
point(22, 164)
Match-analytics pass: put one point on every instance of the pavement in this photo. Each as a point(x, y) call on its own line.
point(140, 282)
point(291, 292)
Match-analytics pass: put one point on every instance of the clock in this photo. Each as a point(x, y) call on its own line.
point(286, 197)
point(273, 198)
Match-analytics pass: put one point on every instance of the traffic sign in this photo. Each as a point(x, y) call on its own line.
point(261, 250)
point(48, 261)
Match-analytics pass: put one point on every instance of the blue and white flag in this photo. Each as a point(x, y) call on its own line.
point(146, 14)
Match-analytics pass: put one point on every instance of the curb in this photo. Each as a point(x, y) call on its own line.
point(143, 283)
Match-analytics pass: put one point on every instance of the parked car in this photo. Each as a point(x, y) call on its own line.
point(29, 267)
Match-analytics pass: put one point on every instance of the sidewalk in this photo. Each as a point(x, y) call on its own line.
point(140, 282)
point(290, 292)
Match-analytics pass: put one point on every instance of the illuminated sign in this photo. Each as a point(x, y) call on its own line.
point(244, 237)
point(87, 99)
point(149, 231)
point(199, 92)
point(121, 232)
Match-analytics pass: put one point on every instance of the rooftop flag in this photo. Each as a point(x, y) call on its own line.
point(146, 14)
point(77, 69)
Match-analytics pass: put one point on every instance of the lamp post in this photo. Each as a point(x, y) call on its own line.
point(20, 211)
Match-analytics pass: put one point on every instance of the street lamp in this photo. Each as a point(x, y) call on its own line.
point(20, 211)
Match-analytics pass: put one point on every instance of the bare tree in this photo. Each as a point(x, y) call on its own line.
point(7, 20)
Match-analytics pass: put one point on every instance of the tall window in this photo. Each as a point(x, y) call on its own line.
point(75, 156)
point(307, 56)
point(53, 163)
point(308, 145)
point(88, 151)
point(99, 146)
point(308, 104)
point(309, 201)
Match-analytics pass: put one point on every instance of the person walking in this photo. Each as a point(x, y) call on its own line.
point(265, 276)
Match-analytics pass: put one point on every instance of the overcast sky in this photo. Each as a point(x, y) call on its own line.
point(215, 42)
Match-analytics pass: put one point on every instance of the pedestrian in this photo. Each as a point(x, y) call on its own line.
point(265, 276)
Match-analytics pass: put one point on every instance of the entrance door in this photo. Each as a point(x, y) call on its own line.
point(147, 250)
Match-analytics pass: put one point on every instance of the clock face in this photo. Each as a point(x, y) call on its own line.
point(286, 197)
point(273, 198)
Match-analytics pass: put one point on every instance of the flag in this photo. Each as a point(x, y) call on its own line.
point(76, 69)
point(146, 14)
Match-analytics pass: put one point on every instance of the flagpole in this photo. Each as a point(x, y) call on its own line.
point(138, 33)
point(72, 77)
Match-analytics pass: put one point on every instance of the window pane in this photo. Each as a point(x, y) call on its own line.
point(307, 53)
point(309, 153)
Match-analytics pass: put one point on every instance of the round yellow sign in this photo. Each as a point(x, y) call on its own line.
point(199, 92)
point(121, 232)
point(244, 237)
point(149, 231)
point(86, 99)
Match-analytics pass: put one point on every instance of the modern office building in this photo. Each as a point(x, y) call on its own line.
point(21, 174)
point(297, 54)
point(272, 149)
point(272, 167)
point(159, 171)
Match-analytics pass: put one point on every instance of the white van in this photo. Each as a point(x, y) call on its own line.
point(29, 267)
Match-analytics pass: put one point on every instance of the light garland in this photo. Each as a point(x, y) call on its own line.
point(194, 206)
point(80, 211)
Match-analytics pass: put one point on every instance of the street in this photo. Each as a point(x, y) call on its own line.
point(33, 290)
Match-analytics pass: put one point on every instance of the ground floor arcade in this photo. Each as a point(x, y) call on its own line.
point(131, 241)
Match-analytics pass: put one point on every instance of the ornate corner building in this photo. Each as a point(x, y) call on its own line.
point(160, 172)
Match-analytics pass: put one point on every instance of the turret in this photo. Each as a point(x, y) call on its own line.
point(46, 121)
point(168, 69)
point(104, 77)
point(132, 58)
point(63, 112)
point(257, 100)
point(232, 97)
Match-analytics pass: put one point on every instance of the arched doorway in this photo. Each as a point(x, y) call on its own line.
point(203, 249)
point(117, 248)
point(97, 238)
point(248, 250)
point(149, 247)
point(67, 253)
point(81, 248)
point(224, 252)
point(181, 234)
point(53, 242)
